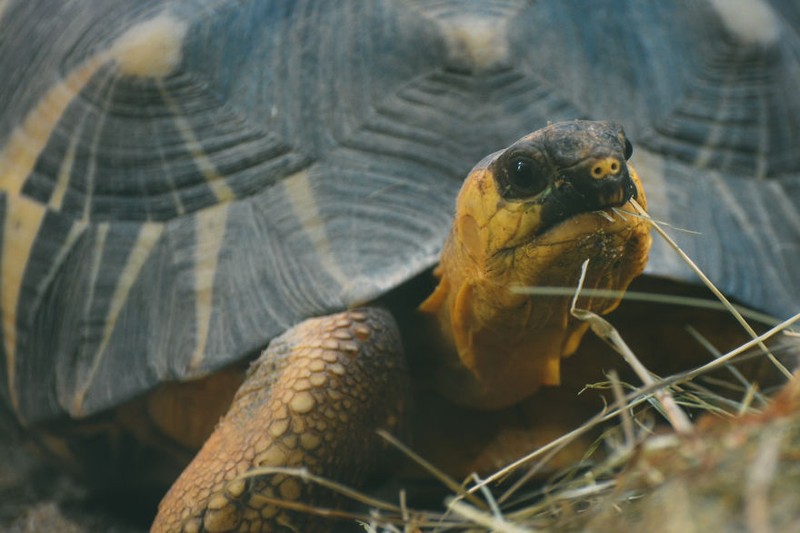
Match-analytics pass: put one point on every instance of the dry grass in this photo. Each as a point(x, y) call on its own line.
point(736, 469)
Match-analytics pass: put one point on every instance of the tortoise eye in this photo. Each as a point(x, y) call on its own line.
point(525, 176)
point(628, 149)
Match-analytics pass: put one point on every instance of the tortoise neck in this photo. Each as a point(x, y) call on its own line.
point(495, 346)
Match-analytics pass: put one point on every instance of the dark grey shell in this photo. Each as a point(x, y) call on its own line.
point(181, 180)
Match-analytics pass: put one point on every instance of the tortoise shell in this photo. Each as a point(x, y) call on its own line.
point(181, 180)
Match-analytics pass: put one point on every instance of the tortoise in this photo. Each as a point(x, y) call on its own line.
point(183, 181)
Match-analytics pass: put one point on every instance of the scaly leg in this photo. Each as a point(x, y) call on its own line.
point(314, 399)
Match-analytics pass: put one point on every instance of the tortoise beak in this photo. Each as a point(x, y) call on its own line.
point(610, 185)
point(597, 183)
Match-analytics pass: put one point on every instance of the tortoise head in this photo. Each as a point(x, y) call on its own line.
point(549, 176)
point(530, 215)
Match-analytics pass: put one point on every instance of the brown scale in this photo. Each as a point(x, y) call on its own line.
point(328, 384)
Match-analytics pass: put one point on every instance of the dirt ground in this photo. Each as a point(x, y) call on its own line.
point(35, 497)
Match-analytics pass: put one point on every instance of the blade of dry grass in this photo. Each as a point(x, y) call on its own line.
point(446, 480)
point(397, 515)
point(724, 359)
point(635, 398)
point(484, 519)
point(750, 389)
point(713, 288)
point(488, 496)
point(659, 298)
point(306, 476)
point(603, 329)
point(619, 402)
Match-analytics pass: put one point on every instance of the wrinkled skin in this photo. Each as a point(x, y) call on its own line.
point(508, 344)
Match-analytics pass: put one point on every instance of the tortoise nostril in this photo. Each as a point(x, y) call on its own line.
point(610, 166)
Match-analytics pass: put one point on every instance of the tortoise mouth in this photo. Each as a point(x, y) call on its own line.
point(569, 200)
point(581, 225)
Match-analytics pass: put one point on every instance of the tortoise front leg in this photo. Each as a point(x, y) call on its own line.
point(315, 399)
